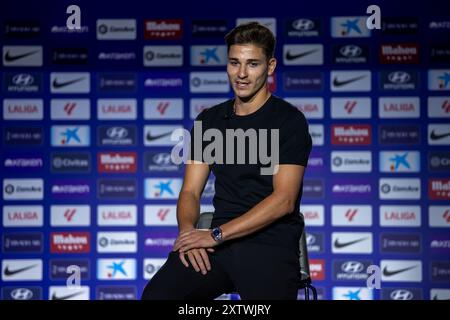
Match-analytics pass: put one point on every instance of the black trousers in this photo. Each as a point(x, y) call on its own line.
point(255, 271)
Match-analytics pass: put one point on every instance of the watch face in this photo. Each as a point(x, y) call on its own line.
point(217, 234)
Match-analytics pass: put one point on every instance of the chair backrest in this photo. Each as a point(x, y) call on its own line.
point(204, 222)
point(304, 260)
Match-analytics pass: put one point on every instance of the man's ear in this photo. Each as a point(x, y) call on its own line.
point(271, 66)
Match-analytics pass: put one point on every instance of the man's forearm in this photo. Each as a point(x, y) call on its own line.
point(188, 208)
point(264, 213)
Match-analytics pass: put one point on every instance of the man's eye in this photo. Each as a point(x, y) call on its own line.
point(233, 63)
point(254, 64)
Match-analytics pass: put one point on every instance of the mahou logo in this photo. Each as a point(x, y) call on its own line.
point(399, 53)
point(439, 189)
point(317, 269)
point(70, 242)
point(351, 134)
point(163, 29)
point(117, 162)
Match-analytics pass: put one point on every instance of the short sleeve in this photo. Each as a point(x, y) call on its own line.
point(295, 141)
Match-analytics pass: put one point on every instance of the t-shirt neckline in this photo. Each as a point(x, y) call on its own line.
point(263, 107)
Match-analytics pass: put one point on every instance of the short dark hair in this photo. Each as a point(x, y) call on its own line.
point(252, 33)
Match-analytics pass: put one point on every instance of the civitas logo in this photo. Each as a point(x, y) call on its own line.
point(70, 242)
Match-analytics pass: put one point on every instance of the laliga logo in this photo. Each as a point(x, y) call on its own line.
point(374, 20)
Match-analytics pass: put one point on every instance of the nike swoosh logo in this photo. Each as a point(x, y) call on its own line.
point(339, 245)
point(11, 58)
point(55, 297)
point(57, 84)
point(389, 273)
point(290, 56)
point(436, 298)
point(9, 272)
point(435, 136)
point(149, 136)
point(338, 83)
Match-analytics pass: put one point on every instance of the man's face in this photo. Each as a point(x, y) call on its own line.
point(248, 69)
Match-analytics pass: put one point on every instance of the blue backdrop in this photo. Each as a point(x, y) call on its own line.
point(87, 182)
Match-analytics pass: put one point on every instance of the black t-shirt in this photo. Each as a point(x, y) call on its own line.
point(239, 187)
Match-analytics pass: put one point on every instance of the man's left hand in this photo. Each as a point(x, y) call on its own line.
point(196, 238)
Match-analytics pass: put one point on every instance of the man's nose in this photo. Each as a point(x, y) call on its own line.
point(242, 71)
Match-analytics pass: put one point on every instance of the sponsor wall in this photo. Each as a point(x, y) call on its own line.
point(86, 173)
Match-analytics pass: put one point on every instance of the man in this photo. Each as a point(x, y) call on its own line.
point(253, 244)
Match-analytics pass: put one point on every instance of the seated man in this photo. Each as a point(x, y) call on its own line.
point(253, 244)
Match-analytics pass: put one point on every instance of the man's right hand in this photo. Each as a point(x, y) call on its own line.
point(198, 258)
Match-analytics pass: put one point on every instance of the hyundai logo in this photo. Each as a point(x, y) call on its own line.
point(352, 267)
point(399, 77)
point(310, 239)
point(21, 294)
point(401, 294)
point(350, 51)
point(303, 24)
point(23, 79)
point(117, 133)
point(162, 159)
